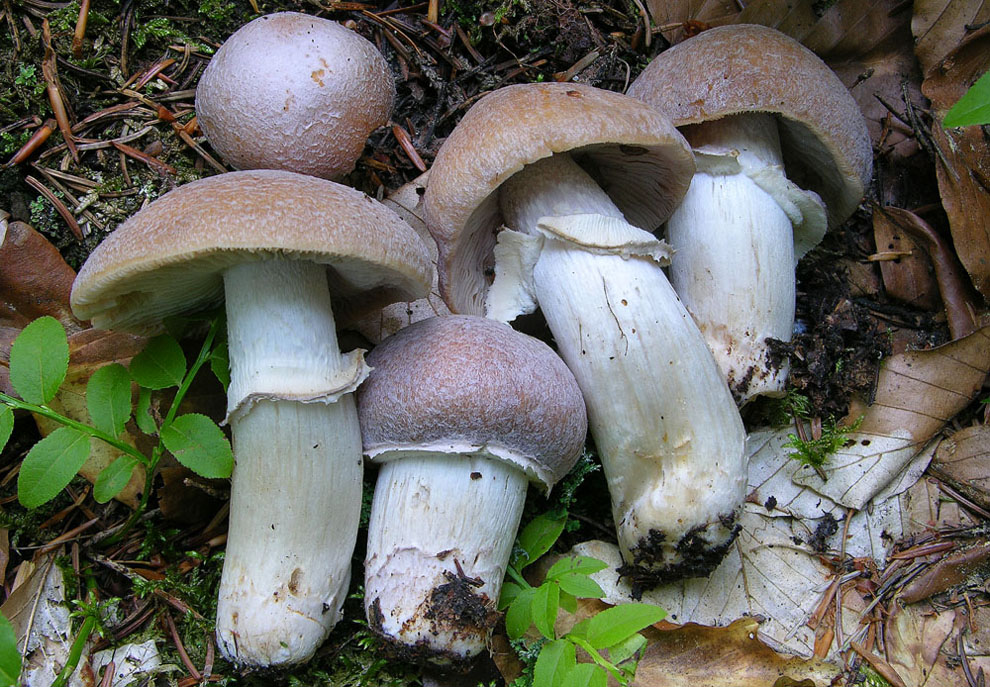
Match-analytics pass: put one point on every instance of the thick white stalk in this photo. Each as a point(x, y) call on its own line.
point(734, 244)
point(296, 488)
point(667, 430)
point(439, 540)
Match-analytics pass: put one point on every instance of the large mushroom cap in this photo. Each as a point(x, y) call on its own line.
point(631, 150)
point(170, 256)
point(296, 92)
point(465, 384)
point(748, 68)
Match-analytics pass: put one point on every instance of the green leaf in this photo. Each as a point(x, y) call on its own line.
point(519, 615)
point(197, 442)
point(39, 359)
point(220, 364)
point(544, 607)
point(973, 107)
point(113, 478)
point(50, 465)
point(615, 625)
point(627, 649)
point(10, 657)
point(575, 564)
point(142, 412)
point(538, 536)
point(568, 602)
point(556, 660)
point(6, 425)
point(160, 365)
point(108, 398)
point(581, 586)
point(510, 590)
point(585, 675)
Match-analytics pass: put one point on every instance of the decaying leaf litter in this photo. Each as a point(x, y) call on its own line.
point(878, 568)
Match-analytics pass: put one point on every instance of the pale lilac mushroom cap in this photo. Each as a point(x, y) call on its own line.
point(461, 412)
point(295, 92)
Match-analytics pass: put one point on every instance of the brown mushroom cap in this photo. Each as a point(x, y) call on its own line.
point(467, 384)
point(296, 92)
point(170, 256)
point(631, 150)
point(748, 68)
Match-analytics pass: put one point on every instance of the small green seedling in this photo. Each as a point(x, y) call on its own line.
point(814, 452)
point(39, 361)
point(973, 108)
point(611, 638)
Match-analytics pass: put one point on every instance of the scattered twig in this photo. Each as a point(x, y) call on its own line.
point(50, 74)
point(63, 211)
point(80, 33)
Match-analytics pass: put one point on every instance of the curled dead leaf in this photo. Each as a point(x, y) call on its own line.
point(963, 462)
point(940, 25)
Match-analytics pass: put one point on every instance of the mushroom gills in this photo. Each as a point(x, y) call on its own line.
point(439, 539)
point(666, 427)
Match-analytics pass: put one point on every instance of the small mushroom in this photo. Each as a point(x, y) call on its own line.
point(295, 92)
point(460, 412)
point(580, 177)
point(782, 152)
point(268, 242)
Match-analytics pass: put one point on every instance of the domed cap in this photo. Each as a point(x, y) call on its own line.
point(296, 92)
point(747, 68)
point(631, 150)
point(465, 384)
point(170, 256)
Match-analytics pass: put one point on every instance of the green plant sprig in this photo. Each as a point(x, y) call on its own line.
point(39, 362)
point(615, 630)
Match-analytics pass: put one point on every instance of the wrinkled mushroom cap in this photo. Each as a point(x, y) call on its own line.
point(170, 256)
point(465, 384)
point(631, 150)
point(748, 68)
point(296, 92)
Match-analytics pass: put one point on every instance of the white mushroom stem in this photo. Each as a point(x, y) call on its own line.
point(296, 488)
point(734, 242)
point(667, 430)
point(439, 539)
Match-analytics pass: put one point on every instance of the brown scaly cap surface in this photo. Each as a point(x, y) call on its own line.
point(748, 68)
point(170, 256)
point(463, 380)
point(630, 149)
point(296, 92)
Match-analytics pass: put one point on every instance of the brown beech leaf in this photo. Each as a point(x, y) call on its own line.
point(953, 569)
point(921, 643)
point(34, 281)
point(700, 656)
point(939, 25)
point(963, 164)
point(907, 271)
point(679, 19)
point(963, 462)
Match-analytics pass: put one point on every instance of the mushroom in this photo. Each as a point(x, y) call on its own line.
point(460, 412)
point(295, 92)
point(580, 176)
point(782, 152)
point(269, 242)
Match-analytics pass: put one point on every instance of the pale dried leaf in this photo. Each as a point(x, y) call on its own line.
point(940, 25)
point(36, 607)
point(699, 656)
point(915, 636)
point(963, 163)
point(963, 461)
point(925, 509)
point(132, 662)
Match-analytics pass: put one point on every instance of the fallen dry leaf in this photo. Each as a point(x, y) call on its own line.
point(967, 564)
point(908, 275)
point(963, 462)
point(940, 25)
point(699, 656)
point(918, 392)
point(963, 162)
point(919, 644)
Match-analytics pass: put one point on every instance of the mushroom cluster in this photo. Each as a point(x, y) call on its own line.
point(545, 196)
